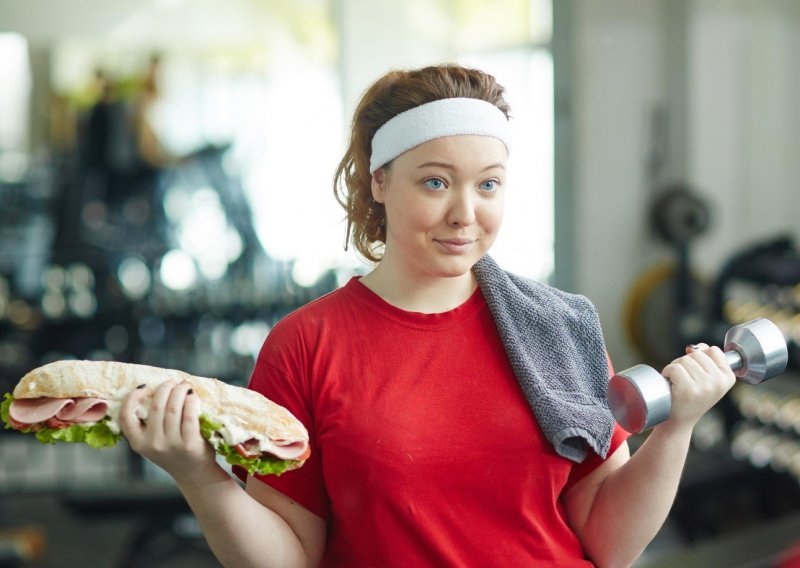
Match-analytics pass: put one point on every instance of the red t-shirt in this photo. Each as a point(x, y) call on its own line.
point(424, 449)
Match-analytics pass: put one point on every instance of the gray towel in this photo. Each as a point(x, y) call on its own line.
point(554, 342)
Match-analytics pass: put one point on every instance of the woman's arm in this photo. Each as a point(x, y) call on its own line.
point(618, 509)
point(258, 526)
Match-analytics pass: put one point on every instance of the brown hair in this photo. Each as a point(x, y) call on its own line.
point(396, 92)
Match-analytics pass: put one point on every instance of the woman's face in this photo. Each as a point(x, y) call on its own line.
point(444, 204)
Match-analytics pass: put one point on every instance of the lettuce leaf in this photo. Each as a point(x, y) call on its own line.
point(4, 410)
point(96, 434)
point(208, 426)
point(263, 465)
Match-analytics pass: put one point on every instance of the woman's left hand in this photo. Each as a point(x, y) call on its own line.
point(699, 380)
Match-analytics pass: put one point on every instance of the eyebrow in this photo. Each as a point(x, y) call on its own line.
point(451, 167)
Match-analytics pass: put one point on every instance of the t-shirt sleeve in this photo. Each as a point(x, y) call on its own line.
point(593, 461)
point(283, 383)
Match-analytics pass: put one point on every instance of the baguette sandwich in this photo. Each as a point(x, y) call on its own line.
point(79, 401)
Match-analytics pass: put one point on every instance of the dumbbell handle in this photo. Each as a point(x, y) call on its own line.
point(735, 359)
point(640, 397)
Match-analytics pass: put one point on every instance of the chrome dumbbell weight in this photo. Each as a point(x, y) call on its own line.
point(640, 397)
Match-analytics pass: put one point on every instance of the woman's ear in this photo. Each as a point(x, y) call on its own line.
point(377, 184)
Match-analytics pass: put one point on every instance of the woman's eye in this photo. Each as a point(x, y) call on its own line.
point(489, 185)
point(434, 183)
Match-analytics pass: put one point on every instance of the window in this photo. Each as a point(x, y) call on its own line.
point(14, 104)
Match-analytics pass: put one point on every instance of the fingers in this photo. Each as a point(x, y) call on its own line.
point(721, 361)
point(701, 359)
point(699, 379)
point(166, 415)
point(129, 421)
point(701, 354)
point(170, 436)
point(172, 418)
point(174, 410)
point(190, 426)
point(713, 362)
point(154, 436)
point(697, 364)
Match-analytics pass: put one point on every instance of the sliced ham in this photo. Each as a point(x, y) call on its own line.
point(284, 450)
point(28, 411)
point(84, 410)
point(35, 410)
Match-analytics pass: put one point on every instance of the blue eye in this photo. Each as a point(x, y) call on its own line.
point(434, 183)
point(489, 185)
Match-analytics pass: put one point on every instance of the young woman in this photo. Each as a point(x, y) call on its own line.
point(425, 450)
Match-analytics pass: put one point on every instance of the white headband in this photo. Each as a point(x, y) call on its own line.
point(445, 117)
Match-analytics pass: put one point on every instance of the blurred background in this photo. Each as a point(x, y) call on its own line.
point(166, 196)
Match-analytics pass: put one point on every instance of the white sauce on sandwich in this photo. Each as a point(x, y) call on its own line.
point(232, 432)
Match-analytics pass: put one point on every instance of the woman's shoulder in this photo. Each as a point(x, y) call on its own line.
point(327, 310)
point(300, 333)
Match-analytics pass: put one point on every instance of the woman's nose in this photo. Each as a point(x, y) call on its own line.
point(462, 208)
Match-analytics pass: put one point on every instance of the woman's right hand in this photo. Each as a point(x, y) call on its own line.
point(698, 380)
point(170, 438)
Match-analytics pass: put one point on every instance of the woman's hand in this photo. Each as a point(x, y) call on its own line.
point(170, 438)
point(699, 379)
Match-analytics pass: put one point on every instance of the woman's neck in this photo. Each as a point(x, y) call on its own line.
point(413, 293)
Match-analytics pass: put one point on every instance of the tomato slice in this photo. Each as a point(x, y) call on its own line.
point(242, 452)
point(57, 424)
point(19, 425)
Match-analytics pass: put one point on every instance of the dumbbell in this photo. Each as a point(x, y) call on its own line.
point(640, 397)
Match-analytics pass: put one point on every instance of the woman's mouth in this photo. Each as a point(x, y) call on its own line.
point(455, 246)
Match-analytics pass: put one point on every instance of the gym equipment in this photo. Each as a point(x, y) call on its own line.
point(665, 308)
point(640, 397)
point(678, 214)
